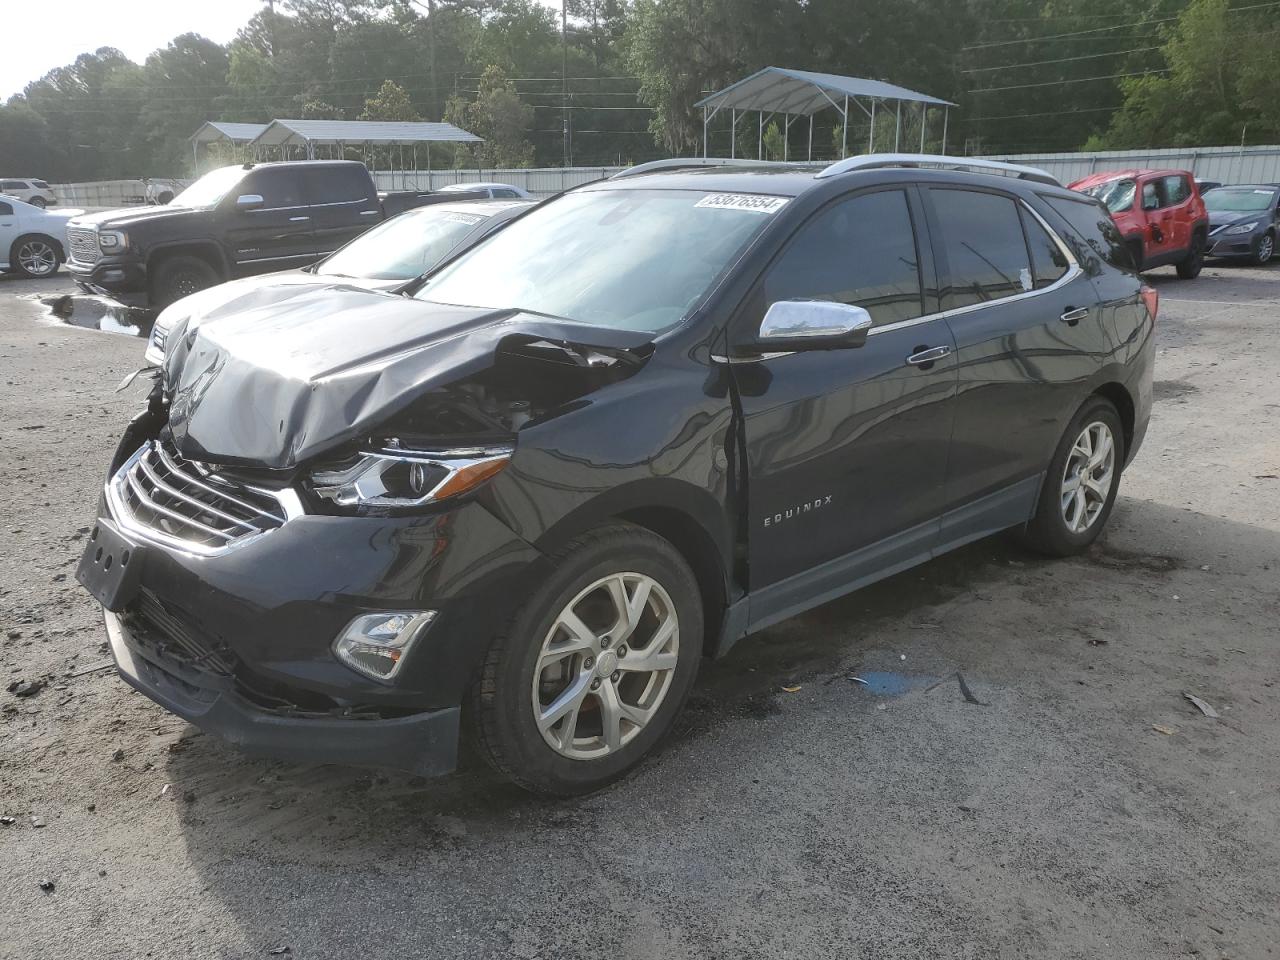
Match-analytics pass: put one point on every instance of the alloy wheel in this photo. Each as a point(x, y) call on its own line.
point(605, 666)
point(1088, 476)
point(37, 258)
point(1266, 248)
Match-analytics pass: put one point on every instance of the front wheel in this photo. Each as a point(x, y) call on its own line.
point(594, 667)
point(1264, 249)
point(180, 277)
point(1190, 268)
point(38, 202)
point(1081, 484)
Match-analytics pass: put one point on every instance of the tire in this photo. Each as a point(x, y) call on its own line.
point(1190, 268)
point(164, 197)
point(1264, 249)
point(179, 277)
point(35, 255)
point(38, 202)
point(575, 756)
point(1056, 527)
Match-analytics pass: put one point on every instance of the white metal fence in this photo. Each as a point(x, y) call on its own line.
point(1226, 164)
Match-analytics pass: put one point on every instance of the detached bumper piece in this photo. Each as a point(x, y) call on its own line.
point(202, 682)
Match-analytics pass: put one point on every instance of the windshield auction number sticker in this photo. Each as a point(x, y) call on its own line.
point(753, 203)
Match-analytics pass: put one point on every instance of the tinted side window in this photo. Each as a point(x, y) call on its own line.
point(860, 251)
point(1176, 190)
point(505, 194)
point(278, 187)
point(1048, 262)
point(13, 185)
point(337, 184)
point(986, 254)
point(1151, 196)
point(6, 209)
point(1095, 235)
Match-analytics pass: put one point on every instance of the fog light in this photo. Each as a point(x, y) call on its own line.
point(375, 644)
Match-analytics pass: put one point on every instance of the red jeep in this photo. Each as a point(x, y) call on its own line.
point(1158, 212)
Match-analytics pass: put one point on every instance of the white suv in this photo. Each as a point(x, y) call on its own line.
point(34, 192)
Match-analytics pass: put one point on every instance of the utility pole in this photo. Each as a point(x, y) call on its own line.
point(271, 27)
point(564, 78)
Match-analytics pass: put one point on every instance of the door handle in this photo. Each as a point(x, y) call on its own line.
point(1074, 315)
point(298, 219)
point(927, 356)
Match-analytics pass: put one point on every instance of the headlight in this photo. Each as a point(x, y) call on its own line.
point(112, 241)
point(160, 334)
point(395, 477)
point(1239, 228)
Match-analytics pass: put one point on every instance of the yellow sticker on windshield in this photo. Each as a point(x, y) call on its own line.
point(751, 202)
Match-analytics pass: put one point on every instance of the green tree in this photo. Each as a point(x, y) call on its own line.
point(389, 103)
point(182, 86)
point(499, 116)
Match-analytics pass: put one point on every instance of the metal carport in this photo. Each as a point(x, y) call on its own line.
point(340, 134)
point(216, 131)
point(800, 93)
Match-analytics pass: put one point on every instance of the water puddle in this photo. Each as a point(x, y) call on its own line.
point(98, 313)
point(886, 683)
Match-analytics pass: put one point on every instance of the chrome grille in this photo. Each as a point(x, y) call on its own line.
point(160, 496)
point(83, 244)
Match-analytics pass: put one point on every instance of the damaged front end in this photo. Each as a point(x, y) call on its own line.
point(295, 549)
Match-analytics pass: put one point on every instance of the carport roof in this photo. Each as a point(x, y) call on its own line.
point(213, 130)
point(300, 132)
point(782, 90)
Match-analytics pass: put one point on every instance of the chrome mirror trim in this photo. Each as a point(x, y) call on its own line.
point(801, 319)
point(247, 201)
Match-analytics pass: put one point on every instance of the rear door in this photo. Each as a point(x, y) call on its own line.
point(1027, 331)
point(846, 450)
point(343, 204)
point(277, 235)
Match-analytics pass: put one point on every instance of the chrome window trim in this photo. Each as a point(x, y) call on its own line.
point(1074, 271)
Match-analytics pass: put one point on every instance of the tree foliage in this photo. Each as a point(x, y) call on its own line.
point(499, 116)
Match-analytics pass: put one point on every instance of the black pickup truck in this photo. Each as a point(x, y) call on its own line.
point(233, 222)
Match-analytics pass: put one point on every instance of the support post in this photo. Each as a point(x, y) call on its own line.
point(811, 137)
point(786, 134)
point(704, 132)
point(871, 138)
point(733, 131)
point(897, 131)
point(760, 139)
point(844, 131)
point(195, 157)
point(946, 111)
point(924, 116)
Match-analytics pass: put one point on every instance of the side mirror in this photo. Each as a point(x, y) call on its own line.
point(790, 325)
point(249, 201)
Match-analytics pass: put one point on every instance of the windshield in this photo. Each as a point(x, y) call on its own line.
point(210, 188)
point(1116, 195)
point(404, 247)
point(628, 259)
point(1237, 200)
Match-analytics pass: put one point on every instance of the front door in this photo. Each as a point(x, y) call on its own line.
point(1161, 226)
point(846, 450)
point(277, 235)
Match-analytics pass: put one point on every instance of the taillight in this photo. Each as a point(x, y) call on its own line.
point(1151, 297)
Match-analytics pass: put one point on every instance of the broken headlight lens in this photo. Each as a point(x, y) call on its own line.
point(394, 477)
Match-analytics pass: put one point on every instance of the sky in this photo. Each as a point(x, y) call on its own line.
point(135, 27)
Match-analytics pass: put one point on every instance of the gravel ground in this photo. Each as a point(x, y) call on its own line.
point(1083, 808)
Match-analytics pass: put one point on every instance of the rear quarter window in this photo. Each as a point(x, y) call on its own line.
point(986, 255)
point(1092, 232)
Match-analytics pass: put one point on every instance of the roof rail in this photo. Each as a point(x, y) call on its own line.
point(878, 160)
point(679, 163)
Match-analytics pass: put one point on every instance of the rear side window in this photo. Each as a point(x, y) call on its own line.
point(13, 185)
point(41, 184)
point(337, 184)
point(278, 187)
point(505, 193)
point(860, 251)
point(1093, 232)
point(1176, 190)
point(1048, 262)
point(986, 255)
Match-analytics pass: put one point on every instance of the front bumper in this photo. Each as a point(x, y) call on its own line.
point(1239, 245)
point(423, 743)
point(122, 280)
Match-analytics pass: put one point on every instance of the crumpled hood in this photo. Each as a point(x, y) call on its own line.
point(277, 382)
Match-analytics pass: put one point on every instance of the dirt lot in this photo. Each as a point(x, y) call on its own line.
point(1083, 808)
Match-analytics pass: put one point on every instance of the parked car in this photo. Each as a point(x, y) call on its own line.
point(386, 257)
point(495, 191)
point(1204, 186)
point(32, 239)
point(233, 222)
point(1243, 222)
point(645, 419)
point(34, 192)
point(1159, 213)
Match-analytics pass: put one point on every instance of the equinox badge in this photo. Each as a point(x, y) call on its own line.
point(806, 507)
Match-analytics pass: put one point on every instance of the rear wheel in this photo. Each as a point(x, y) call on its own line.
point(38, 202)
point(594, 667)
point(1190, 268)
point(1080, 488)
point(180, 277)
point(1264, 248)
point(35, 256)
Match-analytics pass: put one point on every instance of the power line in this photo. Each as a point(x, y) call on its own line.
point(1041, 63)
point(1055, 83)
point(1048, 113)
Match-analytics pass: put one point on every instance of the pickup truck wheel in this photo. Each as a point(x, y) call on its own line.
point(592, 670)
point(35, 256)
point(1264, 249)
point(1190, 268)
point(179, 277)
point(1081, 484)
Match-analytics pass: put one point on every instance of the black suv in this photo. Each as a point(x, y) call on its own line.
point(646, 419)
point(233, 222)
